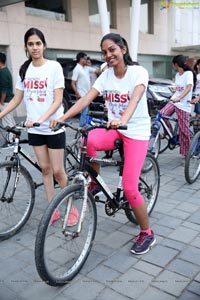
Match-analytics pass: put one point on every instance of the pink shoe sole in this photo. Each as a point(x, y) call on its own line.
point(55, 216)
point(73, 216)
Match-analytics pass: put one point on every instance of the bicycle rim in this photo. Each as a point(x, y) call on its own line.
point(14, 210)
point(164, 140)
point(192, 163)
point(154, 145)
point(149, 185)
point(59, 257)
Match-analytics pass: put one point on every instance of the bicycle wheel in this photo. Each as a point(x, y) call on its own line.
point(154, 141)
point(149, 185)
point(164, 140)
point(61, 253)
point(15, 209)
point(192, 162)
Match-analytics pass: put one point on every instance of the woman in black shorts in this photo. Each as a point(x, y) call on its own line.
point(40, 84)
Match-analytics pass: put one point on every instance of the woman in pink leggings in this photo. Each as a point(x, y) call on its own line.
point(123, 86)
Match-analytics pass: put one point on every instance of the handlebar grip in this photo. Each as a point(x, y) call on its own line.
point(58, 126)
point(123, 127)
point(36, 124)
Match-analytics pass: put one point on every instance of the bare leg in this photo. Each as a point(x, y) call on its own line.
point(56, 157)
point(142, 216)
point(47, 171)
point(96, 167)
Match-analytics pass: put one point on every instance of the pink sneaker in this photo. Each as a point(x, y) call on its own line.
point(55, 216)
point(73, 216)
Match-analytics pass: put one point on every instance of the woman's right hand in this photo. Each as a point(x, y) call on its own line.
point(195, 100)
point(53, 123)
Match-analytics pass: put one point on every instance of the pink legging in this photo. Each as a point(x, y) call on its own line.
point(134, 155)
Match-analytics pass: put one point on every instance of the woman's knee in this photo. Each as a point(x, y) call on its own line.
point(46, 170)
point(59, 174)
point(134, 197)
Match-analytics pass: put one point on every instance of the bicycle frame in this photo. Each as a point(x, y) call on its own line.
point(161, 118)
point(112, 199)
point(19, 150)
point(159, 123)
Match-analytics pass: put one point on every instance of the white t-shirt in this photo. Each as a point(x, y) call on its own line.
point(38, 86)
point(197, 89)
point(117, 93)
point(181, 82)
point(82, 77)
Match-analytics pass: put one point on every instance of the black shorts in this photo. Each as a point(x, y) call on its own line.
point(55, 141)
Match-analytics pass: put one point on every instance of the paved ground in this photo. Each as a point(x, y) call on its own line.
point(171, 270)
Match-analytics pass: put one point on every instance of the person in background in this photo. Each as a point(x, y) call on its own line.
point(185, 82)
point(6, 93)
point(123, 86)
point(92, 71)
point(196, 99)
point(81, 83)
point(40, 84)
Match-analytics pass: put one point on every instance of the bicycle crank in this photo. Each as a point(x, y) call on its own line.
point(109, 209)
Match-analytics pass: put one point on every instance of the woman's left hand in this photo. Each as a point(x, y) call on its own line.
point(114, 123)
point(175, 100)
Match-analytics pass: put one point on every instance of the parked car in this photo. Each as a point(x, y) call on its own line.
point(159, 92)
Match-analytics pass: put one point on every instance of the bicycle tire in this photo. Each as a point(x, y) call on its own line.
point(149, 185)
point(154, 142)
point(15, 212)
point(192, 162)
point(164, 140)
point(59, 257)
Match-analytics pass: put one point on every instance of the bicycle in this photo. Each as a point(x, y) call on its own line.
point(192, 162)
point(60, 250)
point(163, 137)
point(17, 182)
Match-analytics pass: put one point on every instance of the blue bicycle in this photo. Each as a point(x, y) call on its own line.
point(164, 136)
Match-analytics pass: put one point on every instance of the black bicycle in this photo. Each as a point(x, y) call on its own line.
point(61, 250)
point(17, 188)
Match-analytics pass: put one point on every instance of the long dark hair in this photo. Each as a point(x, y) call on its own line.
point(181, 61)
point(121, 42)
point(30, 32)
point(195, 66)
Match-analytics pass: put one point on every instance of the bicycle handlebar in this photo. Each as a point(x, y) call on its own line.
point(18, 127)
point(88, 127)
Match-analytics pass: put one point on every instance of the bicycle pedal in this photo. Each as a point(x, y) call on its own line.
point(96, 196)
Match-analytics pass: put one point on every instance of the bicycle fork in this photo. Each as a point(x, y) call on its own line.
point(80, 178)
point(9, 199)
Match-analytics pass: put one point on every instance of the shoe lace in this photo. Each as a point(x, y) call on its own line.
point(141, 237)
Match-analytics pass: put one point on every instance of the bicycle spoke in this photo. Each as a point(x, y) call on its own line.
point(61, 252)
point(16, 204)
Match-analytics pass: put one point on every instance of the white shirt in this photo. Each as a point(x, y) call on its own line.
point(181, 82)
point(38, 87)
point(117, 93)
point(197, 89)
point(82, 77)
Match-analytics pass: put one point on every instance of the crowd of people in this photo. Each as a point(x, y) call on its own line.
point(122, 82)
